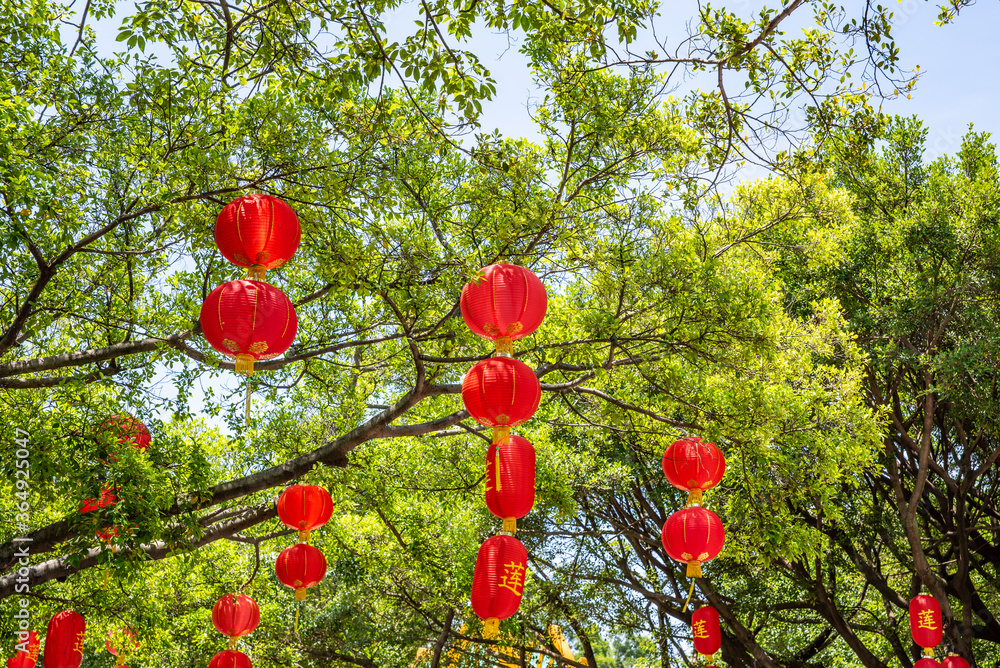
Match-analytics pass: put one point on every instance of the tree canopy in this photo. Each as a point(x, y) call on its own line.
point(831, 327)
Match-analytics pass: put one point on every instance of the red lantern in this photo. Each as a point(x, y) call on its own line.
point(510, 495)
point(498, 581)
point(693, 465)
point(504, 303)
point(299, 567)
point(954, 661)
point(26, 645)
point(706, 631)
point(230, 659)
point(235, 615)
point(64, 640)
point(501, 392)
point(693, 535)
point(305, 507)
point(127, 429)
point(927, 662)
point(107, 499)
point(925, 620)
point(259, 232)
point(248, 320)
point(121, 643)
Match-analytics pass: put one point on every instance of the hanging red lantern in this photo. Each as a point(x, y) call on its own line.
point(259, 232)
point(304, 508)
point(693, 465)
point(64, 640)
point(498, 581)
point(121, 643)
point(693, 535)
point(235, 615)
point(504, 303)
point(926, 662)
point(511, 494)
point(248, 320)
point(501, 392)
point(925, 621)
point(128, 430)
point(705, 630)
point(26, 647)
point(230, 658)
point(954, 661)
point(299, 567)
point(108, 498)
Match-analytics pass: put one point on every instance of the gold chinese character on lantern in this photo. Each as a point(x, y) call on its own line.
point(925, 620)
point(513, 577)
point(78, 645)
point(699, 628)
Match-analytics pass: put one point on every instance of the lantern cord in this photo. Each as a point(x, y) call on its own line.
point(107, 573)
point(690, 594)
point(496, 468)
point(246, 420)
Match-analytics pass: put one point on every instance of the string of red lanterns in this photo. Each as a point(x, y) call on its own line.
point(251, 320)
point(503, 304)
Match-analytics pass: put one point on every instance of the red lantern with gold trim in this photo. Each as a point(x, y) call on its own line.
point(954, 661)
point(926, 662)
point(230, 658)
point(693, 465)
point(259, 232)
point(925, 621)
point(25, 640)
point(304, 508)
point(693, 535)
point(64, 640)
point(299, 567)
point(511, 493)
point(705, 630)
point(248, 320)
point(498, 581)
point(504, 303)
point(501, 392)
point(235, 615)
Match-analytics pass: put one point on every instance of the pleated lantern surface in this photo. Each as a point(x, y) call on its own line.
point(925, 621)
point(25, 659)
point(504, 303)
point(693, 535)
point(705, 630)
point(510, 480)
point(927, 662)
point(235, 615)
point(300, 567)
point(64, 640)
point(248, 320)
point(693, 465)
point(954, 661)
point(498, 581)
point(501, 392)
point(128, 430)
point(230, 658)
point(304, 508)
point(259, 232)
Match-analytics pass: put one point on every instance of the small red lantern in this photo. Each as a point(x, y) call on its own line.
point(693, 465)
point(706, 631)
point(259, 232)
point(501, 392)
point(498, 581)
point(304, 508)
point(121, 643)
point(299, 567)
point(26, 645)
point(925, 621)
point(504, 303)
point(64, 640)
point(107, 499)
point(927, 662)
point(248, 320)
point(954, 661)
point(235, 615)
point(128, 429)
point(693, 535)
point(511, 494)
point(230, 659)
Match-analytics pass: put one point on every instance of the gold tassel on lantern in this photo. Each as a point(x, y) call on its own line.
point(491, 629)
point(501, 434)
point(300, 594)
point(304, 535)
point(244, 364)
point(255, 272)
point(694, 569)
point(505, 347)
point(510, 525)
point(232, 642)
point(694, 497)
